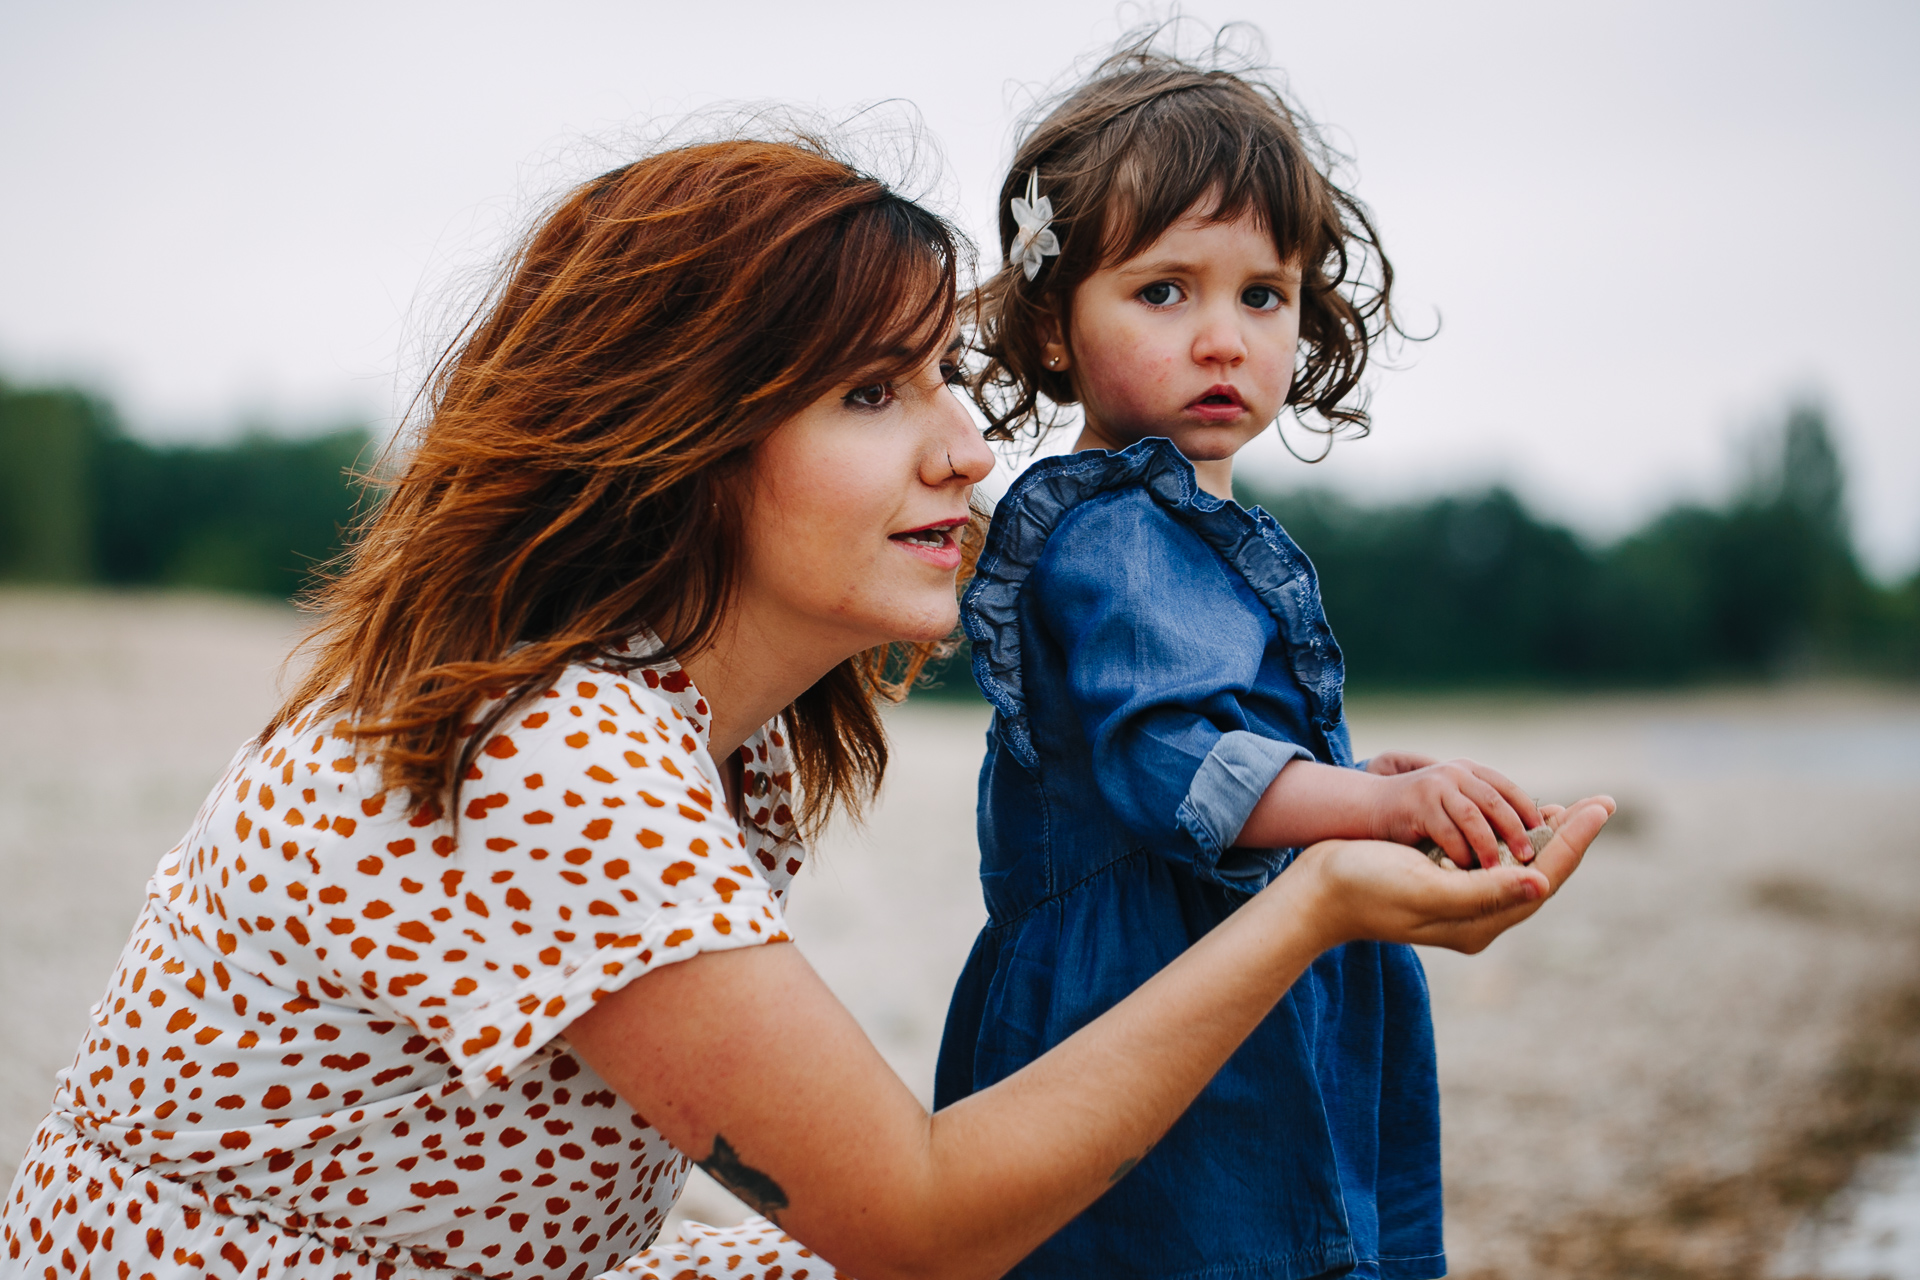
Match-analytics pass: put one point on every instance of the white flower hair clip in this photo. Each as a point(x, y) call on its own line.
point(1034, 241)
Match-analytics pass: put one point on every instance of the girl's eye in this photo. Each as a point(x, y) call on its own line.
point(1262, 298)
point(873, 396)
point(1161, 293)
point(951, 374)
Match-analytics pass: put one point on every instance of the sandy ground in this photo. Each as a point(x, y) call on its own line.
point(1659, 1026)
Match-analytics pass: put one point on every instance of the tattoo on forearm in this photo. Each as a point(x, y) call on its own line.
point(1126, 1167)
point(753, 1187)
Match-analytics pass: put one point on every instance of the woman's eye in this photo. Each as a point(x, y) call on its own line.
point(1262, 298)
point(1161, 293)
point(873, 396)
point(950, 373)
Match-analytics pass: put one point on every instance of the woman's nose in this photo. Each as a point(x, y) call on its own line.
point(959, 450)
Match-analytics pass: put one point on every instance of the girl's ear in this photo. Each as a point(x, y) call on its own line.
point(1053, 345)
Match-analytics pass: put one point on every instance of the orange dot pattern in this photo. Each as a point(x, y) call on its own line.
point(334, 1043)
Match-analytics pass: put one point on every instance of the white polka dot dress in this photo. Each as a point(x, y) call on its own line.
point(334, 1044)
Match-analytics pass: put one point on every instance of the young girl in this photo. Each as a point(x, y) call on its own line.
point(1168, 727)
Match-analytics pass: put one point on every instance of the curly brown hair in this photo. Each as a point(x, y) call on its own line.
point(578, 469)
point(1137, 145)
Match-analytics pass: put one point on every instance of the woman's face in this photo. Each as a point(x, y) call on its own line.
point(856, 511)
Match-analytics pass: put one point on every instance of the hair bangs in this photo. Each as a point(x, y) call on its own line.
point(893, 299)
point(1204, 149)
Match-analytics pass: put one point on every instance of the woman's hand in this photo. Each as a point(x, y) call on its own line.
point(1389, 892)
point(1388, 763)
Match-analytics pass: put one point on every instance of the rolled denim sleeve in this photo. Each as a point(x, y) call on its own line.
point(1229, 782)
point(1162, 646)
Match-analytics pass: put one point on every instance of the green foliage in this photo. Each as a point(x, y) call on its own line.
point(81, 501)
point(256, 515)
point(1460, 589)
point(48, 444)
point(1477, 590)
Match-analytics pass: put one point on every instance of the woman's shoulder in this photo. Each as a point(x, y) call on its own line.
point(593, 716)
point(589, 842)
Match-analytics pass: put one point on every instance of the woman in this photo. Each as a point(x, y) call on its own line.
point(478, 936)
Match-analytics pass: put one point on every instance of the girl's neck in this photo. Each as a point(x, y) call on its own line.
point(1213, 475)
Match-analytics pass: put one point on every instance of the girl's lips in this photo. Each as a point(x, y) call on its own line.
point(1218, 403)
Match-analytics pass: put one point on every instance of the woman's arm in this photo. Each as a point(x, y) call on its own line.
point(748, 1060)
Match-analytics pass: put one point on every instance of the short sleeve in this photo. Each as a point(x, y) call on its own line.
point(1162, 648)
point(592, 846)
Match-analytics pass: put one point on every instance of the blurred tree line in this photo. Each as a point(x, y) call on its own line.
point(1466, 589)
point(83, 502)
point(1476, 589)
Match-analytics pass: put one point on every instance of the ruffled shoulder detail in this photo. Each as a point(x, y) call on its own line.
point(1250, 540)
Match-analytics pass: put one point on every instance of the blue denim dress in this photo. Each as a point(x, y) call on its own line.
point(1154, 656)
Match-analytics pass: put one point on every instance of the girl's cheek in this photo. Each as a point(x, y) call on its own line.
point(1134, 371)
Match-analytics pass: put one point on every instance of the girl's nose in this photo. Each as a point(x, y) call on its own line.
point(1219, 341)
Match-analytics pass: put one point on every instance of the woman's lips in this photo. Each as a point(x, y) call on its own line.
point(932, 543)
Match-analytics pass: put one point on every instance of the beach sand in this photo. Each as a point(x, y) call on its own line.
point(1631, 1082)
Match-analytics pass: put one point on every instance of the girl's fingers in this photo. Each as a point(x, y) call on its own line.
point(1444, 831)
point(1473, 826)
point(1389, 763)
point(1522, 803)
point(1509, 828)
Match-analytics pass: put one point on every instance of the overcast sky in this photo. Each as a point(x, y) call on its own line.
point(1645, 227)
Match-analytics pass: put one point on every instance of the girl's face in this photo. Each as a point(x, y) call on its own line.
point(1193, 339)
point(856, 510)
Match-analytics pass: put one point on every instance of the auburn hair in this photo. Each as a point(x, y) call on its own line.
point(577, 467)
point(1145, 139)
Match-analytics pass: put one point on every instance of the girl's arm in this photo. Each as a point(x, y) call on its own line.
point(1465, 808)
point(746, 1059)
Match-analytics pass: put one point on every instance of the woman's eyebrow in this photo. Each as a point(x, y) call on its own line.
point(955, 343)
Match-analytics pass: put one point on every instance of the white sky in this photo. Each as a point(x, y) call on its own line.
point(1644, 225)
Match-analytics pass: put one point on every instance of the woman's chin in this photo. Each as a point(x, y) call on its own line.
point(936, 623)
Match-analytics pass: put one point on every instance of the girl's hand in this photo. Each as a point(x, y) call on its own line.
point(1390, 893)
point(1466, 808)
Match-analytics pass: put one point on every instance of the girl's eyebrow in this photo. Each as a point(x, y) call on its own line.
point(1181, 267)
point(1160, 267)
